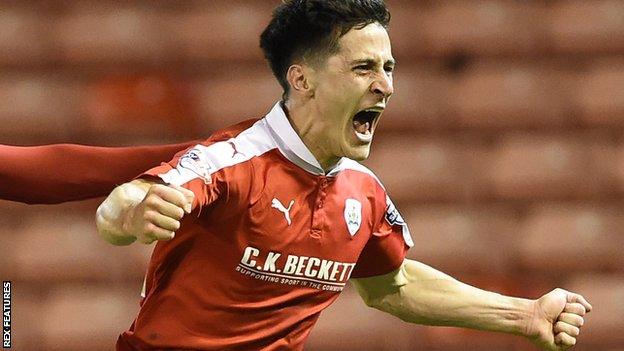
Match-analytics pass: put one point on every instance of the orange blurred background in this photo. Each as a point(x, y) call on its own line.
point(503, 147)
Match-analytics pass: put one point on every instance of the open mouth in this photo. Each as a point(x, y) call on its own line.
point(364, 123)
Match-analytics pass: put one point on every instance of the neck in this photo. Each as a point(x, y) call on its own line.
point(302, 118)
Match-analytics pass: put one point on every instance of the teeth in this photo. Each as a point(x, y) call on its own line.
point(364, 138)
point(361, 128)
point(363, 132)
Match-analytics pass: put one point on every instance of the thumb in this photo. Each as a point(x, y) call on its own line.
point(188, 195)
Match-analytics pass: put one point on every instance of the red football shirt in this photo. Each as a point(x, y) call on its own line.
point(271, 242)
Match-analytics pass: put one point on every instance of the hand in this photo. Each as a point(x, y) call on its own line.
point(158, 216)
point(557, 319)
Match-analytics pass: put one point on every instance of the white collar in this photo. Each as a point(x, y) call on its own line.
point(290, 143)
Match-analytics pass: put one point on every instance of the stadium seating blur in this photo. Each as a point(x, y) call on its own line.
point(503, 147)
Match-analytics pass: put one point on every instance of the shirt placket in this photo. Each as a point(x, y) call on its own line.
point(318, 213)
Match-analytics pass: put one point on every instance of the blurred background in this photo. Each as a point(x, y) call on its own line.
point(503, 148)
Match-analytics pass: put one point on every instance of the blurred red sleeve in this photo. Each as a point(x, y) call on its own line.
point(58, 173)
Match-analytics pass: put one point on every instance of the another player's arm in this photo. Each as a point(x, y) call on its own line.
point(420, 294)
point(143, 210)
point(56, 173)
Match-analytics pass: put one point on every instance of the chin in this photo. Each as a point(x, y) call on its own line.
point(358, 153)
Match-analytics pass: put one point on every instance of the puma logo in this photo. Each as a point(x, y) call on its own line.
point(234, 149)
point(286, 211)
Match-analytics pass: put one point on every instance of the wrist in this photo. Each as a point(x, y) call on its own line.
point(518, 316)
point(526, 321)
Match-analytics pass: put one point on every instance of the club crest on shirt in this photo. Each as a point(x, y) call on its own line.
point(195, 161)
point(353, 215)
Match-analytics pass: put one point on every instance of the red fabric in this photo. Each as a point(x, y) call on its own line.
point(58, 173)
point(214, 286)
point(385, 250)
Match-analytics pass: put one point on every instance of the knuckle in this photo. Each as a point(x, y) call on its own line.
point(171, 189)
point(151, 200)
point(171, 225)
point(180, 199)
point(164, 191)
point(149, 217)
point(157, 188)
point(146, 215)
point(179, 213)
point(150, 229)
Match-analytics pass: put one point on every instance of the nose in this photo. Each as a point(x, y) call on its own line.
point(383, 86)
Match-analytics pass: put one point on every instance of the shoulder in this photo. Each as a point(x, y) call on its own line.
point(232, 131)
point(389, 211)
point(357, 169)
point(226, 148)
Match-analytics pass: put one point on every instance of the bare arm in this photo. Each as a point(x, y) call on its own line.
point(144, 210)
point(419, 294)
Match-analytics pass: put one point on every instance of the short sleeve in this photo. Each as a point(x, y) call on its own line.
point(387, 246)
point(193, 170)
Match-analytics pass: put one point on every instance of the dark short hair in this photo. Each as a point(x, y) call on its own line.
point(310, 29)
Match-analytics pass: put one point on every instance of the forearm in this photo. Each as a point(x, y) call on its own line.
point(426, 296)
point(112, 213)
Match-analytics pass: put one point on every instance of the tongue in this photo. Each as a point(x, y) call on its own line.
point(361, 128)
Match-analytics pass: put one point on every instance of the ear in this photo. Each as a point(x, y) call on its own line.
point(298, 80)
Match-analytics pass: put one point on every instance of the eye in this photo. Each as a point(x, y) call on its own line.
point(362, 68)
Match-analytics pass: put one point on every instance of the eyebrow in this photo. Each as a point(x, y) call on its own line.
point(372, 62)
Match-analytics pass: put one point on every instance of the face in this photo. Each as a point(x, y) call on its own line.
point(350, 91)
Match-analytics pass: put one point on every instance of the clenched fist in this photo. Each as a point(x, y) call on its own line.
point(557, 320)
point(143, 211)
point(158, 216)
